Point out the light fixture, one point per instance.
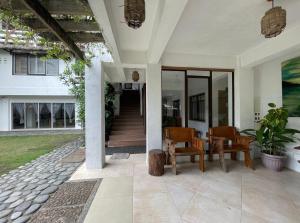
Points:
(134, 13)
(273, 22)
(135, 76)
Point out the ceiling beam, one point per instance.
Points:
(53, 26)
(168, 16)
(57, 7)
(68, 25)
(77, 37)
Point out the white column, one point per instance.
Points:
(244, 98)
(94, 115)
(153, 107)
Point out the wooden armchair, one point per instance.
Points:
(194, 146)
(226, 139)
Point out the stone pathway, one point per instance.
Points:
(24, 190)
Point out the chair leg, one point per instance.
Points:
(167, 158)
(201, 162)
(222, 162)
(248, 160)
(193, 158)
(233, 155)
(173, 160)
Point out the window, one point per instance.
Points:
(27, 64)
(197, 107)
(21, 64)
(43, 115)
(36, 65)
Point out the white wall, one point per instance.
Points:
(28, 84)
(268, 88)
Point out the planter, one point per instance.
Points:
(273, 162)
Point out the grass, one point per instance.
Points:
(16, 151)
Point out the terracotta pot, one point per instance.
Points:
(273, 162)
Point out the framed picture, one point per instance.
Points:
(291, 86)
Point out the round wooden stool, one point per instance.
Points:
(157, 161)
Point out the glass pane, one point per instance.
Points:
(31, 115)
(198, 104)
(173, 98)
(21, 64)
(36, 65)
(45, 115)
(58, 115)
(222, 98)
(70, 115)
(18, 115)
(52, 67)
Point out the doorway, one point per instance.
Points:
(197, 98)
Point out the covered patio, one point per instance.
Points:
(178, 41)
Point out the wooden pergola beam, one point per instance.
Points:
(68, 25)
(53, 26)
(78, 37)
(54, 7)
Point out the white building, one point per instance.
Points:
(32, 97)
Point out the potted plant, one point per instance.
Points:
(272, 136)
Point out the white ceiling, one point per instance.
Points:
(218, 27)
(128, 38)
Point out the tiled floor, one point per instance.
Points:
(129, 194)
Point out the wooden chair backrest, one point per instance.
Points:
(180, 134)
(227, 132)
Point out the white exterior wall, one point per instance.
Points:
(268, 88)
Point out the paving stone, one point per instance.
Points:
(3, 220)
(41, 199)
(6, 193)
(42, 187)
(33, 208)
(22, 219)
(15, 215)
(3, 206)
(16, 203)
(58, 182)
(49, 190)
(26, 192)
(30, 187)
(23, 206)
(11, 199)
(3, 198)
(17, 193)
(4, 213)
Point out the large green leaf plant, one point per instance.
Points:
(272, 135)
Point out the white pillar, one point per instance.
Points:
(94, 115)
(153, 107)
(244, 98)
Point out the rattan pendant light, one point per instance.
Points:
(134, 12)
(273, 22)
(135, 76)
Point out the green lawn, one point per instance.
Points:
(15, 151)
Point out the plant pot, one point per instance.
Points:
(273, 162)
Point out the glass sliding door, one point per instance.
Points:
(222, 99)
(70, 115)
(58, 115)
(45, 115)
(18, 116)
(173, 98)
(198, 101)
(32, 117)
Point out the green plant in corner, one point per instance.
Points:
(109, 106)
(272, 134)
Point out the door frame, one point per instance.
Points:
(211, 70)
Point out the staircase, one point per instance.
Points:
(128, 127)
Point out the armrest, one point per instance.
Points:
(198, 143)
(244, 140)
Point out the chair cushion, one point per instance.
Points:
(186, 151)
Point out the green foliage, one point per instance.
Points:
(273, 134)
(109, 106)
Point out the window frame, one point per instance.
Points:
(28, 73)
(200, 100)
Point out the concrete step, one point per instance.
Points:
(127, 132)
(127, 137)
(126, 143)
(132, 124)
